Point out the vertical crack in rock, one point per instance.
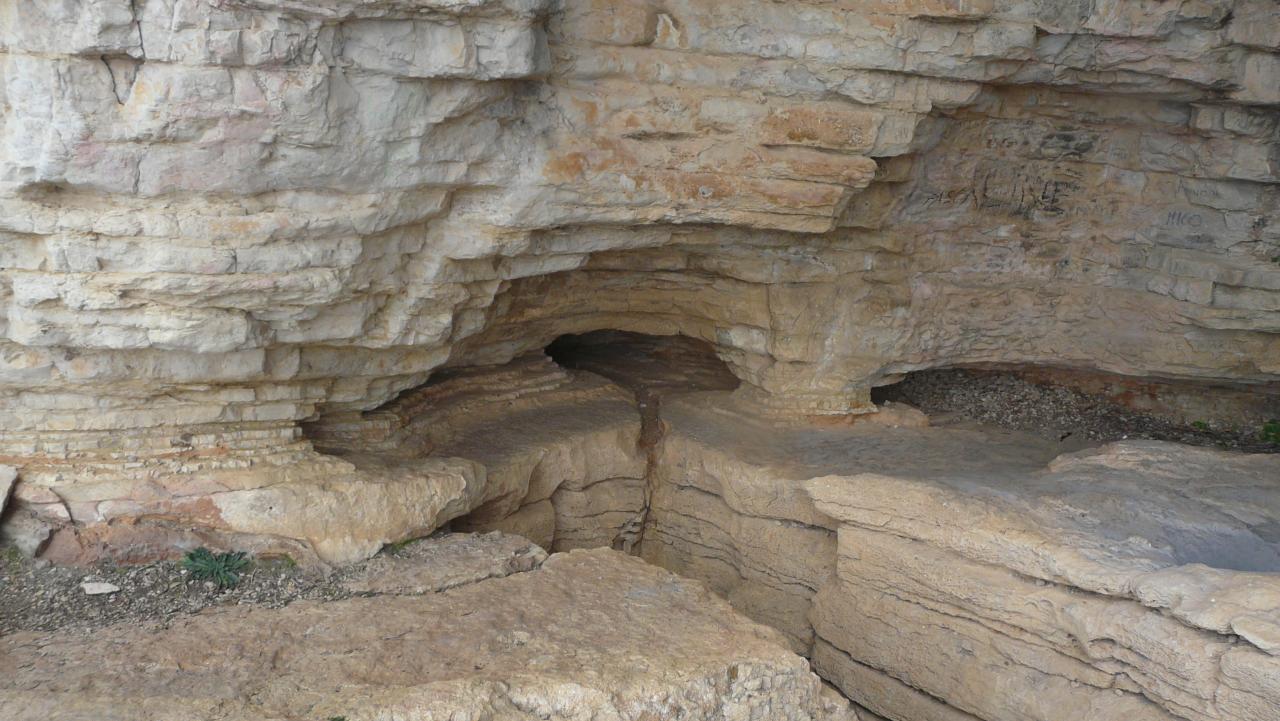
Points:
(652, 431)
(137, 22)
(651, 367)
(123, 71)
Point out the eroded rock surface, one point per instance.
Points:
(939, 572)
(730, 504)
(480, 443)
(450, 561)
(589, 634)
(1141, 580)
(222, 219)
(249, 249)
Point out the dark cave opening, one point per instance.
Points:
(645, 363)
(1093, 407)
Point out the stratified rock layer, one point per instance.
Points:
(933, 572)
(587, 635)
(481, 443)
(221, 219)
(1137, 581)
(730, 505)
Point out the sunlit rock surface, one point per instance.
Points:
(1136, 581)
(589, 634)
(220, 219)
(262, 263)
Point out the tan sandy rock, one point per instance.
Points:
(481, 444)
(439, 564)
(730, 504)
(590, 634)
(1100, 582)
(271, 272)
(210, 237)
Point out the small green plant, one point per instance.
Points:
(276, 562)
(1200, 425)
(13, 556)
(221, 568)
(396, 547)
(337, 718)
(1271, 432)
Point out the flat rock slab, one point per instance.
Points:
(1170, 525)
(588, 635)
(1134, 582)
(439, 564)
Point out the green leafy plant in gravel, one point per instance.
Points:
(221, 568)
(1271, 432)
(13, 557)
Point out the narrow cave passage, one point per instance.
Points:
(593, 445)
(645, 363)
(649, 366)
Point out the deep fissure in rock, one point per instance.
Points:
(649, 366)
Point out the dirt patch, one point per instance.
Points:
(37, 596)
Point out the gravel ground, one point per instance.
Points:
(1009, 401)
(36, 596)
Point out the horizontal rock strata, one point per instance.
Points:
(482, 442)
(219, 220)
(1133, 582)
(932, 572)
(591, 634)
(730, 505)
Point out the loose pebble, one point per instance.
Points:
(98, 588)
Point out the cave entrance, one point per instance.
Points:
(647, 364)
(1086, 408)
(605, 502)
(650, 366)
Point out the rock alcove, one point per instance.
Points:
(907, 328)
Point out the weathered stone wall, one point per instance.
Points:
(221, 218)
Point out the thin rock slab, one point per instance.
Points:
(1135, 581)
(590, 635)
(1121, 520)
(439, 564)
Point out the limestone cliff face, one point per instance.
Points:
(220, 218)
